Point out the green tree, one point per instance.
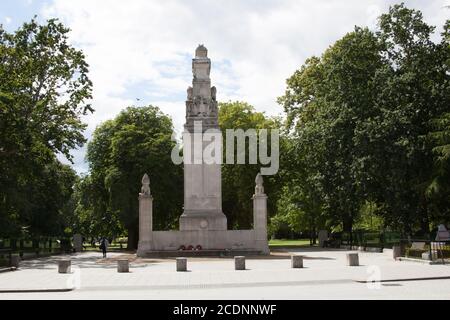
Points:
(91, 217)
(137, 141)
(326, 101)
(438, 190)
(48, 197)
(44, 91)
(361, 116)
(40, 206)
(238, 180)
(412, 89)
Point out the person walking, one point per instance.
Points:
(104, 243)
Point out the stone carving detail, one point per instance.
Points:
(145, 190)
(214, 111)
(259, 189)
(201, 104)
(201, 51)
(202, 107)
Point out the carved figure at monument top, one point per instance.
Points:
(145, 190)
(201, 103)
(259, 181)
(201, 51)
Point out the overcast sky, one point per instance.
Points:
(141, 49)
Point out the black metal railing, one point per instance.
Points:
(5, 257)
(27, 247)
(367, 239)
(438, 251)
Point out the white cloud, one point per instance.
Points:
(142, 49)
(8, 20)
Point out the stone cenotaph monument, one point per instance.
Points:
(202, 181)
(203, 225)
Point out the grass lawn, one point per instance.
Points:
(287, 243)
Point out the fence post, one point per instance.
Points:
(365, 238)
(36, 247)
(402, 249)
(21, 248)
(381, 240)
(430, 251)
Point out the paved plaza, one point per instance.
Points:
(325, 276)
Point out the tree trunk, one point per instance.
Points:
(424, 226)
(347, 225)
(424, 221)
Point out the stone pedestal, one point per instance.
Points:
(15, 261)
(396, 252)
(260, 216)
(296, 262)
(145, 218)
(181, 264)
(123, 266)
(202, 221)
(322, 237)
(239, 263)
(78, 242)
(352, 259)
(64, 266)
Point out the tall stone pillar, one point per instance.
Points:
(145, 217)
(202, 179)
(260, 216)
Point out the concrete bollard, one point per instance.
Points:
(352, 259)
(296, 262)
(123, 266)
(396, 252)
(64, 266)
(239, 263)
(15, 261)
(181, 264)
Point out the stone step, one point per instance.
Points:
(201, 253)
